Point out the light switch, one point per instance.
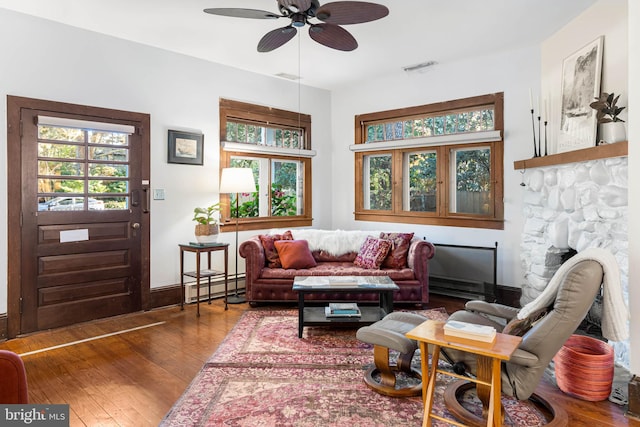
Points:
(158, 194)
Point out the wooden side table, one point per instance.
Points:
(199, 273)
(490, 356)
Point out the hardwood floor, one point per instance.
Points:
(129, 370)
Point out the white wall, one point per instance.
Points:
(512, 73)
(46, 60)
(633, 134)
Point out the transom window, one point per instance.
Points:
(275, 144)
(470, 120)
(81, 166)
(269, 136)
(434, 164)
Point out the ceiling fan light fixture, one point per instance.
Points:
(298, 20)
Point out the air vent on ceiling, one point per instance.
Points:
(288, 76)
(419, 68)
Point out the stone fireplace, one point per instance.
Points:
(572, 207)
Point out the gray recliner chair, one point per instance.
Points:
(543, 334)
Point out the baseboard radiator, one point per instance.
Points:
(217, 289)
(468, 272)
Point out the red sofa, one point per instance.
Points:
(264, 284)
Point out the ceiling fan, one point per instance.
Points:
(328, 32)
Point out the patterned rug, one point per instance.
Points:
(264, 375)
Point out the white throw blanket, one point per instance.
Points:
(614, 310)
(335, 242)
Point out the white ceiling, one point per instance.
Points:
(414, 32)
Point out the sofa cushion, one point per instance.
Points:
(372, 253)
(337, 269)
(270, 252)
(294, 254)
(397, 256)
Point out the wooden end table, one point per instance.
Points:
(489, 356)
(315, 316)
(199, 249)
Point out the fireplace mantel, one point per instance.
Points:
(619, 149)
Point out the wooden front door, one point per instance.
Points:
(84, 227)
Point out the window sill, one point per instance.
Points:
(264, 223)
(492, 224)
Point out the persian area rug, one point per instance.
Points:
(264, 375)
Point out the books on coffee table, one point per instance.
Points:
(349, 309)
(469, 331)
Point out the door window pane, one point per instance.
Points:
(60, 151)
(377, 182)
(471, 186)
(64, 168)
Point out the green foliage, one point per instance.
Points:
(380, 182)
(208, 215)
(473, 170)
(282, 203)
(606, 108)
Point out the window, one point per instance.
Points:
(82, 165)
(275, 144)
(437, 164)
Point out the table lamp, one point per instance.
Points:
(237, 180)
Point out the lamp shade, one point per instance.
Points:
(237, 180)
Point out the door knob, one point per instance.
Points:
(135, 225)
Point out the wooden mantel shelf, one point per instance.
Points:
(619, 149)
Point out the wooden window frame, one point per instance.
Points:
(442, 216)
(235, 110)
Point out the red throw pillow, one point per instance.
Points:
(372, 253)
(400, 242)
(295, 254)
(270, 252)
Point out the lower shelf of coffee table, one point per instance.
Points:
(315, 316)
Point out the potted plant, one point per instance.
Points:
(612, 126)
(207, 227)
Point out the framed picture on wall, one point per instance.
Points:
(185, 147)
(581, 74)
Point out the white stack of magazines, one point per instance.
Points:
(469, 331)
(342, 309)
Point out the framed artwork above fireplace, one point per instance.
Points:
(581, 74)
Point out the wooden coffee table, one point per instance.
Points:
(315, 315)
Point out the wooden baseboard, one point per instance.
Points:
(3, 327)
(164, 296)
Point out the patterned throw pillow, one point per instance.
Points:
(400, 242)
(270, 252)
(372, 253)
(295, 254)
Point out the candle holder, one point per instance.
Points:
(545, 137)
(539, 138)
(533, 127)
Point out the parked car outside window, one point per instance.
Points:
(70, 204)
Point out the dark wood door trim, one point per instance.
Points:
(15, 104)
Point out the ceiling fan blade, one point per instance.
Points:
(242, 13)
(333, 36)
(351, 12)
(276, 38)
